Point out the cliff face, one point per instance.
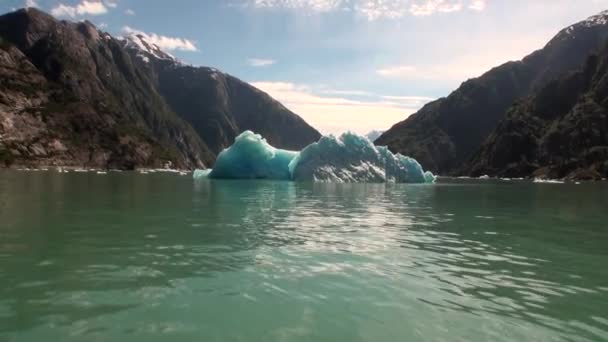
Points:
(559, 132)
(220, 107)
(444, 134)
(72, 95)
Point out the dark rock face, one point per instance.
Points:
(73, 96)
(220, 107)
(444, 134)
(559, 132)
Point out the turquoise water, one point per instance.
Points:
(130, 257)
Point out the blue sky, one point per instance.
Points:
(341, 64)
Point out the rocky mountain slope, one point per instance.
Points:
(72, 95)
(446, 133)
(217, 105)
(559, 132)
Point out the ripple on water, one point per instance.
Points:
(160, 258)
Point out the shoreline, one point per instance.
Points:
(75, 169)
(536, 180)
(184, 172)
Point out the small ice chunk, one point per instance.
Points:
(548, 181)
(201, 173)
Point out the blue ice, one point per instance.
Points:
(348, 158)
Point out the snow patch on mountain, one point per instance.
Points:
(598, 19)
(145, 50)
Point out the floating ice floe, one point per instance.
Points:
(548, 181)
(201, 173)
(347, 158)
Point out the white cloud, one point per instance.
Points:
(260, 62)
(478, 5)
(346, 92)
(408, 101)
(374, 9)
(377, 9)
(456, 70)
(397, 71)
(30, 3)
(163, 42)
(83, 8)
(102, 26)
(314, 5)
(129, 11)
(111, 4)
(335, 114)
(428, 7)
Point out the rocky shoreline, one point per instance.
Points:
(73, 169)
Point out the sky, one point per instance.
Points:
(356, 65)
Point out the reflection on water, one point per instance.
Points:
(152, 257)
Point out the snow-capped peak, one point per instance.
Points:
(598, 19)
(145, 49)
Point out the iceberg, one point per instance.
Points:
(251, 157)
(348, 158)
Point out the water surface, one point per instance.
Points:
(123, 256)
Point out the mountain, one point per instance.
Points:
(373, 135)
(447, 132)
(217, 105)
(74, 96)
(559, 132)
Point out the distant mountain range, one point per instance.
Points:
(469, 132)
(72, 95)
